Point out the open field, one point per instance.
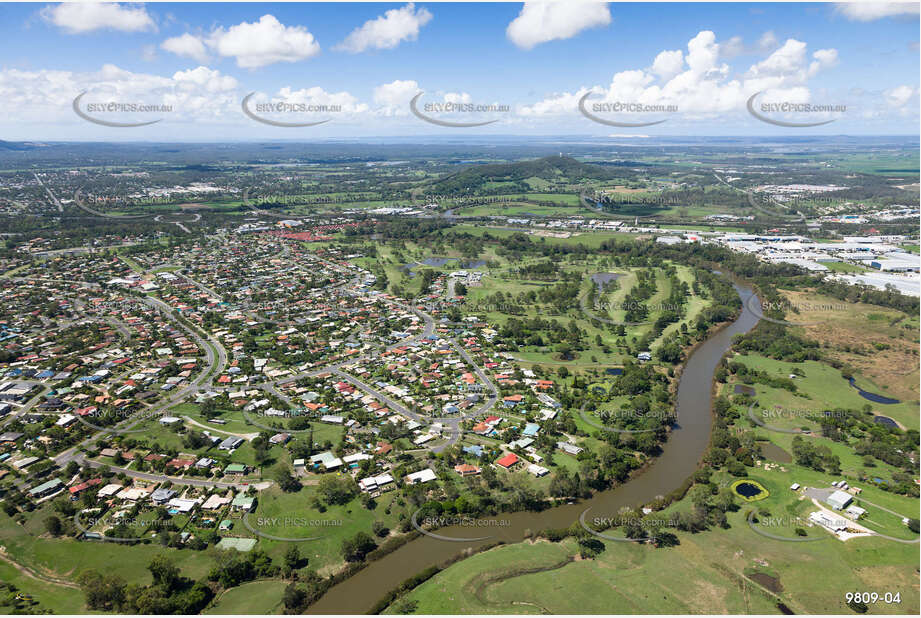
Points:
(822, 387)
(257, 597)
(719, 571)
(880, 343)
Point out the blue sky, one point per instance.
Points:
(703, 59)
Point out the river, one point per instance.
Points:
(680, 457)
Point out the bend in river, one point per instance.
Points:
(679, 458)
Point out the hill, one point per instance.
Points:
(512, 176)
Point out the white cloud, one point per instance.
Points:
(768, 42)
(899, 96)
(668, 64)
(823, 59)
(264, 42)
(540, 22)
(196, 95)
(457, 97)
(788, 58)
(318, 96)
(82, 17)
(393, 98)
(732, 48)
(872, 10)
(556, 104)
(387, 31)
(187, 46)
(698, 83)
(735, 46)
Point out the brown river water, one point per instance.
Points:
(680, 456)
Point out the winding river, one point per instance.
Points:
(679, 458)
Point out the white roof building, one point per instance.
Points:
(839, 500)
(422, 476)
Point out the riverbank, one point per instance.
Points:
(680, 456)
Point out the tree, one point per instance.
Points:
(359, 546)
(286, 481)
(294, 598)
(208, 407)
(103, 592)
(53, 525)
(858, 606)
(337, 490)
(292, 557)
(406, 606)
(164, 572)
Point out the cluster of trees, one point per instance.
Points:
(233, 567)
(538, 331)
(728, 448)
(749, 375)
(777, 342)
(170, 592)
(816, 456)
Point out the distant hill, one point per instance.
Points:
(16, 145)
(555, 169)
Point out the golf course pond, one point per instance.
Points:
(749, 490)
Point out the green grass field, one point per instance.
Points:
(57, 599)
(823, 387)
(258, 597)
(625, 578)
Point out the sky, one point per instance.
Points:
(352, 70)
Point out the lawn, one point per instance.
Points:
(258, 597)
(822, 387)
(57, 599)
(292, 515)
(546, 577)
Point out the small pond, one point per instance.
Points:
(873, 396)
(602, 279)
(749, 490)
